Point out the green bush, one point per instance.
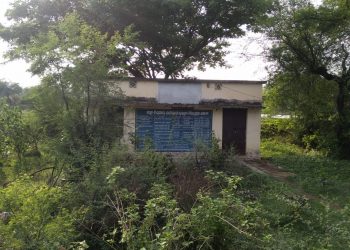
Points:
(140, 169)
(276, 127)
(297, 223)
(218, 220)
(38, 217)
(310, 134)
(114, 170)
(211, 156)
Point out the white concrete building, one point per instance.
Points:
(175, 114)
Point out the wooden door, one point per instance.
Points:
(234, 129)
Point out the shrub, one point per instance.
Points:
(187, 180)
(38, 219)
(275, 127)
(141, 170)
(211, 155)
(218, 220)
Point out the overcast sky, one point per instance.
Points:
(245, 58)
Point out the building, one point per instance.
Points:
(176, 115)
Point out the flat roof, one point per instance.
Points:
(153, 102)
(188, 80)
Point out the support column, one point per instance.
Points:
(253, 132)
(129, 126)
(217, 124)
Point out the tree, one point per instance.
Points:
(173, 35)
(75, 95)
(10, 91)
(13, 132)
(309, 40)
(72, 58)
(312, 110)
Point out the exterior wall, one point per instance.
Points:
(238, 91)
(147, 89)
(129, 126)
(217, 124)
(184, 93)
(228, 91)
(208, 91)
(253, 133)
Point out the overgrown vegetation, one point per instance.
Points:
(68, 183)
(316, 174)
(38, 216)
(310, 75)
(122, 199)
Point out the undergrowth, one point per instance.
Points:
(315, 173)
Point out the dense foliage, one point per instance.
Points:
(171, 35)
(11, 91)
(38, 217)
(276, 127)
(68, 182)
(312, 67)
(128, 200)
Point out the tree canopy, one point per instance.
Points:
(314, 41)
(10, 91)
(172, 35)
(67, 181)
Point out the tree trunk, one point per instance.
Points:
(342, 119)
(87, 111)
(63, 93)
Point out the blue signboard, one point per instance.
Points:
(173, 130)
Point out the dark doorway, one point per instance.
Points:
(234, 129)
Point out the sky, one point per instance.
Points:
(16, 71)
(245, 58)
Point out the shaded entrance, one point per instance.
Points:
(234, 129)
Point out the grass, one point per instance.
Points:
(296, 221)
(315, 173)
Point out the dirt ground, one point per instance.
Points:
(264, 167)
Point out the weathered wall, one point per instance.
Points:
(148, 89)
(217, 124)
(184, 93)
(192, 92)
(253, 132)
(129, 126)
(232, 91)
